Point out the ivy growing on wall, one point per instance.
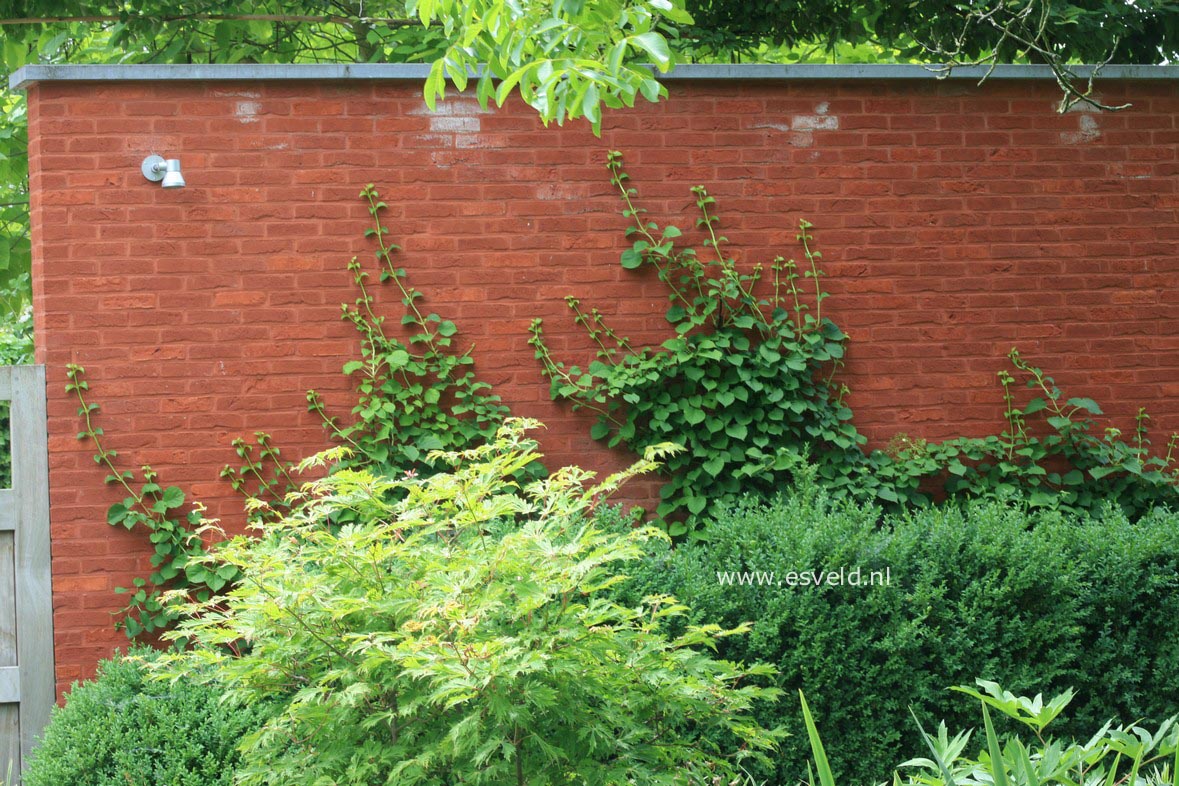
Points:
(747, 385)
(173, 524)
(414, 397)
(744, 385)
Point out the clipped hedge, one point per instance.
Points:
(1036, 602)
(122, 729)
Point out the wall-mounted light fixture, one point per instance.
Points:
(155, 169)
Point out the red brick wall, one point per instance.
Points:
(954, 222)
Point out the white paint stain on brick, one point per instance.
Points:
(434, 140)
(457, 107)
(815, 123)
(454, 116)
(458, 125)
(1087, 131)
(1081, 106)
(800, 129)
(247, 111)
(445, 159)
(470, 141)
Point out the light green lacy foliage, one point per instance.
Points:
(460, 634)
(1114, 756)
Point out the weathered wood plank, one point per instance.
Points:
(34, 594)
(9, 673)
(8, 651)
(9, 684)
(8, 505)
(10, 760)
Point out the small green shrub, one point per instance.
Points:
(974, 591)
(458, 632)
(124, 729)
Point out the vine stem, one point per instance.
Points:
(366, 328)
(634, 215)
(255, 470)
(103, 455)
(777, 268)
(805, 239)
(553, 370)
(282, 469)
(329, 422)
(367, 300)
(594, 332)
(727, 264)
(385, 252)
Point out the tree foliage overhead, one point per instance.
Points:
(1010, 31)
(565, 57)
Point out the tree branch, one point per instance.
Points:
(321, 19)
(1029, 33)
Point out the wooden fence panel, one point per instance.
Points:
(26, 600)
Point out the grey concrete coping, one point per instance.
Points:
(415, 72)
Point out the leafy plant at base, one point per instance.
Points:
(458, 631)
(744, 385)
(1129, 755)
(747, 387)
(174, 531)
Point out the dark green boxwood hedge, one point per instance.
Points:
(122, 729)
(1036, 602)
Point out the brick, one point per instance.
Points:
(954, 221)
